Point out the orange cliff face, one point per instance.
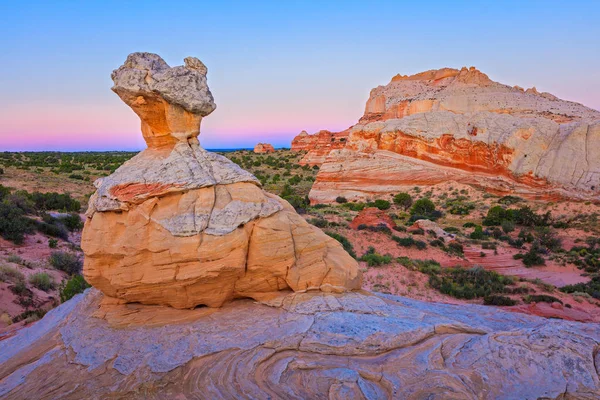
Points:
(318, 145)
(459, 124)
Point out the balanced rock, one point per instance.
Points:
(177, 225)
(459, 125)
(262, 148)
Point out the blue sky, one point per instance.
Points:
(275, 68)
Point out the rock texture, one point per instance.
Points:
(318, 145)
(299, 346)
(177, 225)
(459, 125)
(262, 148)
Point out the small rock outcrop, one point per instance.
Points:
(177, 225)
(459, 125)
(318, 145)
(262, 148)
(372, 217)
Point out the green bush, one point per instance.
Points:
(374, 259)
(477, 234)
(508, 226)
(355, 206)
(592, 288)
(541, 298)
(381, 204)
(467, 225)
(498, 300)
(42, 281)
(13, 223)
(409, 241)
(71, 287)
(422, 207)
(53, 243)
(469, 283)
(532, 257)
(344, 241)
(341, 200)
(455, 248)
(72, 222)
(66, 262)
(403, 200)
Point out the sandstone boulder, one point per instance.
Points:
(177, 225)
(460, 125)
(262, 148)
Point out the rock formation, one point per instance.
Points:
(262, 148)
(299, 346)
(318, 145)
(372, 217)
(179, 226)
(459, 125)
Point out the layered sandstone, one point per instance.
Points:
(263, 148)
(179, 226)
(460, 125)
(318, 145)
(299, 346)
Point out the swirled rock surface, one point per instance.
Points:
(451, 124)
(177, 225)
(299, 346)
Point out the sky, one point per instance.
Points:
(274, 68)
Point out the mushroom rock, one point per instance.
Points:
(459, 124)
(177, 225)
(262, 148)
(372, 217)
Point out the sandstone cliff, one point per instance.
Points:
(180, 226)
(459, 125)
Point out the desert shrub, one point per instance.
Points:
(55, 201)
(496, 215)
(341, 200)
(469, 283)
(66, 262)
(294, 180)
(53, 243)
(548, 239)
(10, 274)
(403, 200)
(399, 228)
(55, 229)
(13, 223)
(455, 248)
(452, 229)
(437, 243)
(355, 206)
(418, 231)
(409, 241)
(509, 200)
(298, 202)
(458, 206)
(591, 288)
(477, 234)
(422, 207)
(318, 222)
(488, 246)
(373, 259)
(77, 176)
(541, 298)
(72, 222)
(381, 204)
(42, 281)
(69, 288)
(498, 300)
(344, 241)
(507, 226)
(532, 257)
(467, 225)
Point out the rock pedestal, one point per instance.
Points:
(179, 226)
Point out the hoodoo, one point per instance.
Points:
(179, 226)
(459, 125)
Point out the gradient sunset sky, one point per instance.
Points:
(275, 68)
